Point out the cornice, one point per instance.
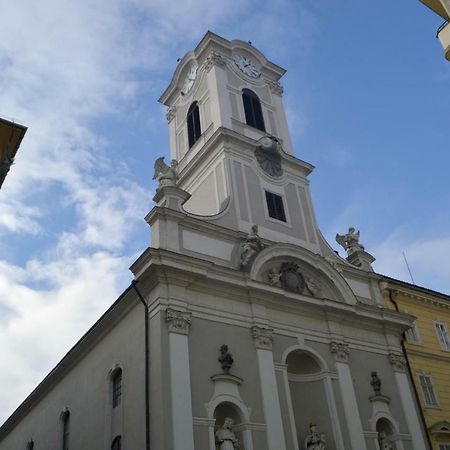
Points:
(444, 357)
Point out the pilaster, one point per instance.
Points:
(178, 323)
(263, 338)
(341, 354)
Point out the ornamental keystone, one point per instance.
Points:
(262, 337)
(340, 351)
(178, 321)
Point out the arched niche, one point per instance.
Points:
(311, 396)
(298, 270)
(386, 432)
(227, 410)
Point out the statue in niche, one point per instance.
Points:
(315, 440)
(384, 442)
(375, 382)
(166, 175)
(268, 155)
(350, 241)
(225, 438)
(250, 247)
(226, 359)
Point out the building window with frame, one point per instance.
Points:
(65, 430)
(412, 335)
(444, 446)
(428, 390)
(442, 332)
(193, 124)
(117, 443)
(253, 111)
(117, 388)
(275, 206)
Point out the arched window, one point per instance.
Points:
(65, 430)
(117, 443)
(253, 111)
(117, 388)
(193, 124)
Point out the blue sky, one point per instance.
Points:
(366, 94)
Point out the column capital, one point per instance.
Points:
(178, 321)
(275, 87)
(214, 59)
(340, 351)
(398, 362)
(170, 114)
(262, 337)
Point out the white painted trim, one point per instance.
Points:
(287, 392)
(180, 390)
(271, 401)
(334, 416)
(351, 411)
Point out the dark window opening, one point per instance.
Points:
(275, 206)
(66, 430)
(193, 124)
(117, 388)
(253, 111)
(117, 443)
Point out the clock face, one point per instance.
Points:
(189, 79)
(246, 66)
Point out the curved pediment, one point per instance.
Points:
(298, 270)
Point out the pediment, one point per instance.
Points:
(298, 270)
(442, 427)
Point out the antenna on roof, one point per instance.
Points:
(409, 270)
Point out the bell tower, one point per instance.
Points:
(229, 134)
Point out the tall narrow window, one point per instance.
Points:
(442, 333)
(117, 443)
(275, 206)
(412, 335)
(428, 390)
(117, 388)
(65, 430)
(193, 124)
(253, 110)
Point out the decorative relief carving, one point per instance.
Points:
(178, 321)
(340, 351)
(214, 59)
(170, 114)
(250, 248)
(268, 155)
(398, 362)
(275, 87)
(262, 337)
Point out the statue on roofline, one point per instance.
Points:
(166, 175)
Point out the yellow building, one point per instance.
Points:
(11, 135)
(442, 8)
(427, 351)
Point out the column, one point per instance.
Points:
(180, 380)
(340, 352)
(262, 338)
(409, 406)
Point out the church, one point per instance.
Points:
(243, 328)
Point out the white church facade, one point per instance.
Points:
(243, 328)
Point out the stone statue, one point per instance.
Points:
(166, 175)
(375, 382)
(314, 440)
(384, 442)
(250, 247)
(274, 276)
(225, 438)
(349, 241)
(226, 359)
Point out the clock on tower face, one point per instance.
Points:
(189, 79)
(246, 66)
